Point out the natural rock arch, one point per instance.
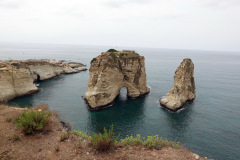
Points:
(111, 71)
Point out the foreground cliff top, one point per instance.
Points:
(47, 145)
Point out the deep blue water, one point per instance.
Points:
(208, 126)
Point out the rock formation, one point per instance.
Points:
(183, 89)
(111, 71)
(17, 77)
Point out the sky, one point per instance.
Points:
(175, 24)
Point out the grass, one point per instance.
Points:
(106, 140)
(31, 121)
(82, 135)
(155, 142)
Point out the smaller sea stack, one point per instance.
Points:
(183, 89)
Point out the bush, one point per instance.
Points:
(94, 59)
(105, 141)
(112, 50)
(131, 140)
(31, 121)
(151, 142)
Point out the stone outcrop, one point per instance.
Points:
(183, 89)
(17, 77)
(111, 71)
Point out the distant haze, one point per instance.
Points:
(177, 24)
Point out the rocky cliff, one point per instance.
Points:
(184, 87)
(17, 77)
(111, 71)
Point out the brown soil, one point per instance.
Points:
(47, 145)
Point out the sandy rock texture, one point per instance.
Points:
(183, 89)
(17, 77)
(111, 71)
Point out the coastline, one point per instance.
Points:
(48, 144)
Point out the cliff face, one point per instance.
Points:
(184, 87)
(111, 71)
(17, 77)
(15, 80)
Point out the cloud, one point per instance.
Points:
(122, 3)
(10, 4)
(219, 3)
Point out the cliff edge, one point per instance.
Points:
(111, 71)
(183, 89)
(17, 77)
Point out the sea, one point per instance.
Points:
(208, 126)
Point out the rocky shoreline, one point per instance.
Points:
(17, 77)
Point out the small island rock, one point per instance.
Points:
(183, 89)
(111, 71)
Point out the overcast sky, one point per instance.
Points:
(178, 24)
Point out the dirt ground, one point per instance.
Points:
(47, 145)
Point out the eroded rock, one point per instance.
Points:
(17, 77)
(111, 71)
(183, 89)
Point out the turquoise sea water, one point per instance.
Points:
(209, 126)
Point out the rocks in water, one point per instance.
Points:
(111, 71)
(17, 77)
(183, 89)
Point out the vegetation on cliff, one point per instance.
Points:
(54, 142)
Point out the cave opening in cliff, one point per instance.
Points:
(38, 77)
(123, 94)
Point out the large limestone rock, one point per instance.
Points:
(15, 80)
(111, 71)
(183, 89)
(17, 77)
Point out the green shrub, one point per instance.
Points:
(31, 121)
(105, 141)
(94, 59)
(112, 50)
(131, 140)
(151, 142)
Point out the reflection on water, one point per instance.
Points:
(179, 122)
(45, 91)
(126, 112)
